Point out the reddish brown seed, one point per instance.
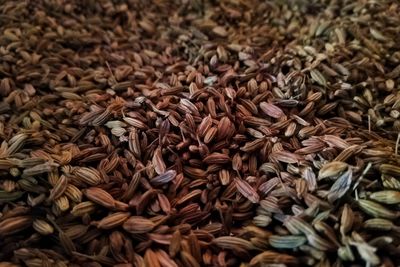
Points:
(247, 191)
(271, 110)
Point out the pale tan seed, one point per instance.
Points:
(346, 219)
(90, 176)
(62, 203)
(332, 169)
(42, 227)
(73, 193)
(83, 208)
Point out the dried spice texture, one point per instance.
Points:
(199, 133)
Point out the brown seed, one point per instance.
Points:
(188, 260)
(14, 225)
(88, 175)
(134, 143)
(138, 225)
(76, 231)
(132, 186)
(271, 110)
(113, 220)
(204, 126)
(175, 243)
(247, 191)
(210, 135)
(224, 128)
(158, 162)
(101, 197)
(216, 158)
(270, 257)
(83, 208)
(135, 123)
(59, 188)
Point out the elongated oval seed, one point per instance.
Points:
(377, 210)
(83, 208)
(164, 178)
(332, 169)
(42, 227)
(289, 242)
(247, 191)
(59, 188)
(101, 197)
(138, 225)
(14, 225)
(386, 197)
(88, 175)
(231, 242)
(378, 224)
(113, 220)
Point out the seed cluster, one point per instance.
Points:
(199, 133)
